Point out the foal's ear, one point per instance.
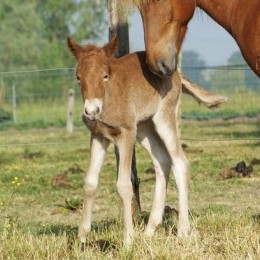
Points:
(75, 49)
(111, 47)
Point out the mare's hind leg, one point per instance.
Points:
(167, 127)
(151, 141)
(98, 150)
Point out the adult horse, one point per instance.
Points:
(165, 24)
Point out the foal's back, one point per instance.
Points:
(134, 92)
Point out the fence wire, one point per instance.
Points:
(38, 97)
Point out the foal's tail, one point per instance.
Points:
(203, 96)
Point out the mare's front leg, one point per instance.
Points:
(125, 144)
(167, 127)
(98, 149)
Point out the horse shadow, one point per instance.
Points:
(103, 245)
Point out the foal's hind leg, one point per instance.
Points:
(151, 141)
(98, 150)
(167, 127)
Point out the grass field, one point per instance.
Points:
(32, 112)
(41, 194)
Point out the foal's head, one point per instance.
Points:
(165, 23)
(92, 74)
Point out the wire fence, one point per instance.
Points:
(70, 143)
(39, 97)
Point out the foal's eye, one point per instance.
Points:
(105, 78)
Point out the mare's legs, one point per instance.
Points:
(98, 150)
(125, 146)
(150, 140)
(166, 123)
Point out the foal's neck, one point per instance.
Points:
(218, 10)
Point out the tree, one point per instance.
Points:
(34, 36)
(231, 76)
(34, 32)
(82, 19)
(20, 42)
(193, 66)
(251, 80)
(235, 73)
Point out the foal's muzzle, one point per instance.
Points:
(92, 109)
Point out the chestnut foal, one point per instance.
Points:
(124, 101)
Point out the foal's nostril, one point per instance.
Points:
(92, 112)
(86, 111)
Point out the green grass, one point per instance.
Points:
(42, 113)
(241, 102)
(41, 186)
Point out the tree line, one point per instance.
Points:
(235, 74)
(33, 35)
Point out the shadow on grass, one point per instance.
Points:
(57, 230)
(107, 226)
(61, 229)
(71, 233)
(256, 218)
(102, 245)
(169, 223)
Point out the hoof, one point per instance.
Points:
(82, 234)
(183, 232)
(149, 232)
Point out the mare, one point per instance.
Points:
(165, 24)
(124, 101)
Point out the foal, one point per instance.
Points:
(125, 101)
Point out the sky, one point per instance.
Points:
(204, 36)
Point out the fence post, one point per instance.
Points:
(118, 25)
(14, 103)
(69, 126)
(2, 94)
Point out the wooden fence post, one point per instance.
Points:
(14, 103)
(118, 25)
(69, 126)
(2, 94)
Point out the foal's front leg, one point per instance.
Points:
(97, 154)
(124, 185)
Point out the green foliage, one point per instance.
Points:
(34, 36)
(238, 75)
(251, 80)
(194, 67)
(20, 44)
(34, 32)
(235, 75)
